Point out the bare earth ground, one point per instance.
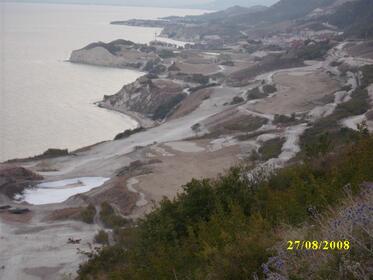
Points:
(205, 69)
(39, 250)
(182, 161)
(296, 93)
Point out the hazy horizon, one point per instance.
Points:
(211, 4)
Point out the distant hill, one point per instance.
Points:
(224, 4)
(283, 10)
(356, 18)
(226, 14)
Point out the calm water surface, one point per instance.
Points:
(46, 102)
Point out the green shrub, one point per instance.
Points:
(271, 148)
(283, 119)
(237, 100)
(255, 93)
(166, 54)
(109, 218)
(87, 215)
(102, 238)
(269, 89)
(127, 133)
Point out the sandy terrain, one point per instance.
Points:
(296, 93)
(39, 250)
(183, 161)
(192, 102)
(205, 69)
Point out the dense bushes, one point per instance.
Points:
(225, 228)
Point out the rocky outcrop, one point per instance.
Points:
(119, 53)
(154, 99)
(14, 179)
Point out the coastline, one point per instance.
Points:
(141, 120)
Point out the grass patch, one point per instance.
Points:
(271, 148)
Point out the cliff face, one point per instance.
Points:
(151, 98)
(97, 56)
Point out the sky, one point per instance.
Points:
(159, 3)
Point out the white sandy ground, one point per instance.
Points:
(39, 250)
(59, 191)
(220, 143)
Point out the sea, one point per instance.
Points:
(47, 102)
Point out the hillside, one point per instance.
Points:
(238, 226)
(356, 18)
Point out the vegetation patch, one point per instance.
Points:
(109, 218)
(237, 100)
(330, 128)
(87, 215)
(284, 119)
(269, 89)
(255, 93)
(271, 148)
(367, 71)
(166, 54)
(102, 238)
(166, 108)
(127, 133)
(242, 124)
